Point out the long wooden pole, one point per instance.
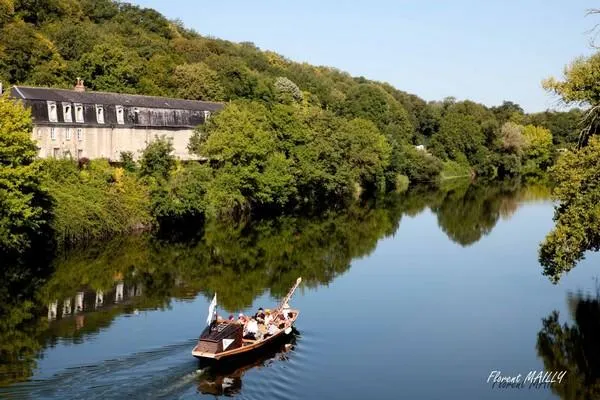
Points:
(287, 298)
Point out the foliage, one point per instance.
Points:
(23, 202)
(511, 136)
(564, 126)
(287, 91)
(95, 202)
(458, 139)
(452, 169)
(281, 156)
(577, 217)
(157, 159)
(183, 198)
(127, 161)
(197, 82)
(580, 84)
(419, 166)
(538, 149)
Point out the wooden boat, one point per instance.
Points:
(223, 339)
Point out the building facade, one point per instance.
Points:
(78, 123)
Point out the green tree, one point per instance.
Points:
(157, 159)
(511, 137)
(577, 217)
(111, 67)
(538, 153)
(7, 9)
(23, 202)
(22, 49)
(508, 111)
(182, 201)
(459, 138)
(287, 91)
(197, 82)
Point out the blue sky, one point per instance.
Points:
(486, 51)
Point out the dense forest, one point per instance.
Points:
(292, 137)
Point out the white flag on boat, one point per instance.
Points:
(211, 310)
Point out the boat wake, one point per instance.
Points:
(160, 373)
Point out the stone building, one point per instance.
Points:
(77, 123)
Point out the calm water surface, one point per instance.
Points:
(416, 297)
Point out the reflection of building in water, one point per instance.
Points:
(93, 300)
(99, 299)
(119, 292)
(79, 321)
(67, 307)
(53, 310)
(79, 302)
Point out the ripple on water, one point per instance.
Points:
(139, 375)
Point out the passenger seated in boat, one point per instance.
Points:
(231, 318)
(251, 329)
(242, 319)
(260, 315)
(271, 331)
(268, 317)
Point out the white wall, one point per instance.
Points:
(106, 142)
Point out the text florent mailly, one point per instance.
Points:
(533, 379)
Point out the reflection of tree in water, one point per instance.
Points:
(467, 212)
(574, 348)
(239, 261)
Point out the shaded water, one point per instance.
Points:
(418, 296)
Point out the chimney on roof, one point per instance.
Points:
(79, 87)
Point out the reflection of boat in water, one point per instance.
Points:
(225, 339)
(225, 378)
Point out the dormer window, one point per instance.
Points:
(67, 115)
(78, 113)
(99, 114)
(206, 115)
(120, 115)
(52, 114)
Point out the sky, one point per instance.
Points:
(485, 51)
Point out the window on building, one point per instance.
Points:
(79, 154)
(79, 113)
(120, 115)
(52, 114)
(68, 134)
(99, 114)
(53, 133)
(39, 133)
(56, 152)
(79, 134)
(67, 115)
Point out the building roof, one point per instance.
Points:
(106, 98)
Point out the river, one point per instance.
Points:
(418, 296)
